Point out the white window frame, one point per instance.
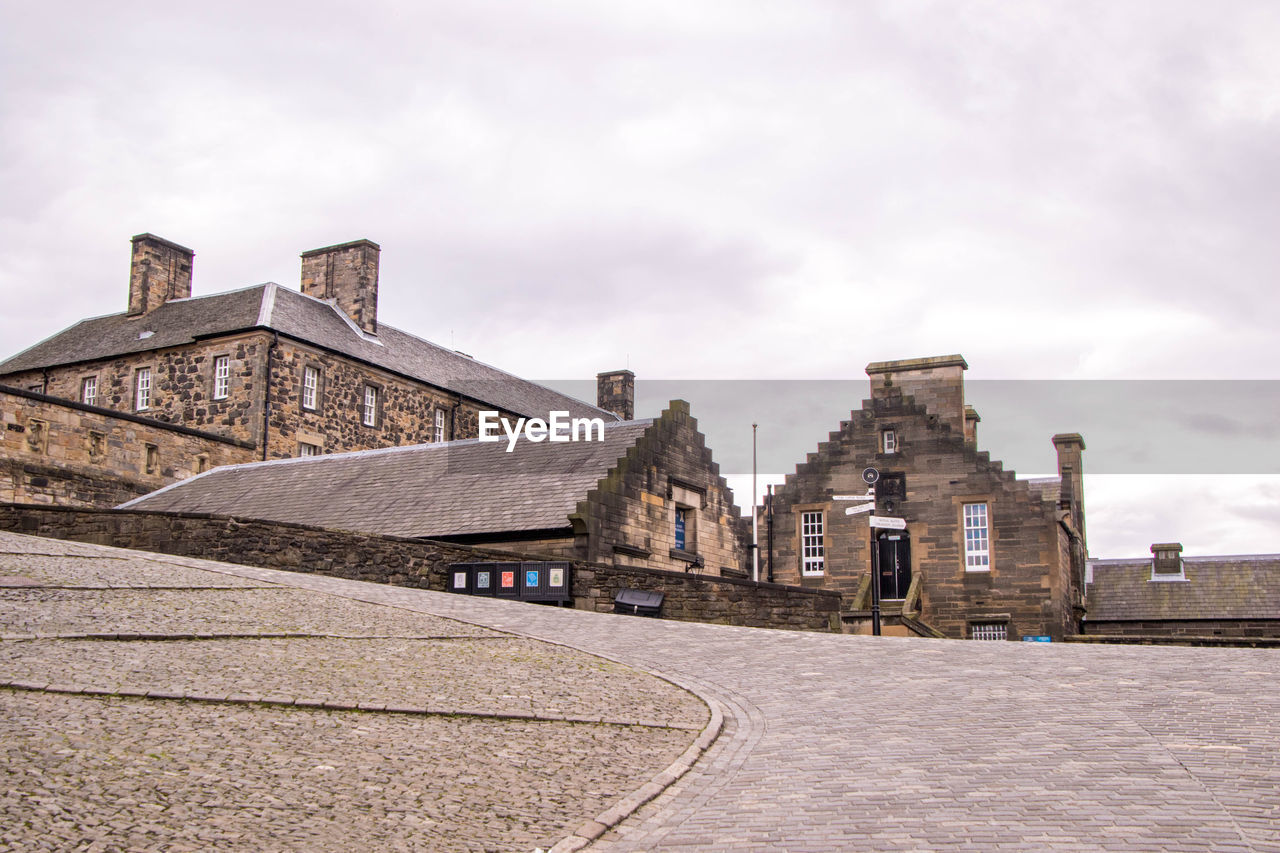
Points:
(307, 449)
(142, 389)
(221, 377)
(89, 390)
(439, 431)
(977, 537)
(889, 441)
(813, 541)
(369, 409)
(310, 388)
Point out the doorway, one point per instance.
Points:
(895, 564)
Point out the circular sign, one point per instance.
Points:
(870, 475)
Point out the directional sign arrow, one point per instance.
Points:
(854, 510)
(888, 523)
(870, 496)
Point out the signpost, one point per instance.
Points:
(854, 510)
(870, 476)
(888, 523)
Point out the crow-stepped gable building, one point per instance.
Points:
(643, 494)
(265, 372)
(982, 555)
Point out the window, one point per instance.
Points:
(369, 411)
(1166, 562)
(889, 441)
(988, 631)
(89, 390)
(439, 425)
(310, 388)
(221, 377)
(977, 549)
(307, 449)
(812, 548)
(142, 389)
(682, 527)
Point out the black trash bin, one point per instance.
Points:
(638, 602)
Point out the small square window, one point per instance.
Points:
(89, 390)
(988, 631)
(221, 377)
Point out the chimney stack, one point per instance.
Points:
(348, 274)
(1070, 447)
(159, 271)
(616, 392)
(936, 383)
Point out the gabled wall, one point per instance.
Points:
(629, 519)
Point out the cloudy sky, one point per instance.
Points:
(735, 190)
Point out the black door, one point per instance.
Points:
(895, 563)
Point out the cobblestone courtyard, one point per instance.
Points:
(154, 702)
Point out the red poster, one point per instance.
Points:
(508, 580)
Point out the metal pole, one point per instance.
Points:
(755, 515)
(768, 502)
(875, 580)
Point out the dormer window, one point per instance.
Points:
(1166, 562)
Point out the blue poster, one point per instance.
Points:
(531, 579)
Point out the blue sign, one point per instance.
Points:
(680, 517)
(1028, 638)
(531, 579)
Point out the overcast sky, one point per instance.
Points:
(695, 190)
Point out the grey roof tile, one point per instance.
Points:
(1238, 587)
(291, 313)
(454, 488)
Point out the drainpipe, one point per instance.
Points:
(266, 393)
(768, 502)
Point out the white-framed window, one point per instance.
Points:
(988, 631)
(142, 389)
(812, 543)
(89, 390)
(439, 425)
(221, 377)
(889, 441)
(308, 449)
(310, 388)
(369, 411)
(977, 539)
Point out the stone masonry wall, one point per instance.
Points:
(630, 517)
(53, 451)
(1029, 584)
(414, 562)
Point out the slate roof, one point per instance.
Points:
(291, 313)
(1242, 587)
(1049, 488)
(426, 490)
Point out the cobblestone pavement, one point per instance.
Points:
(148, 703)
(827, 743)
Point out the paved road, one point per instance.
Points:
(859, 743)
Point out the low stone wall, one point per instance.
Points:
(1180, 629)
(415, 563)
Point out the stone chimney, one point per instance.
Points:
(348, 274)
(616, 392)
(159, 271)
(1070, 447)
(936, 383)
(971, 419)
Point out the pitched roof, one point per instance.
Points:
(289, 312)
(446, 489)
(1240, 587)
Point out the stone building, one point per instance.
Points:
(276, 372)
(639, 494)
(1171, 598)
(983, 555)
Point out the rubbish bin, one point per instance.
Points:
(638, 602)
